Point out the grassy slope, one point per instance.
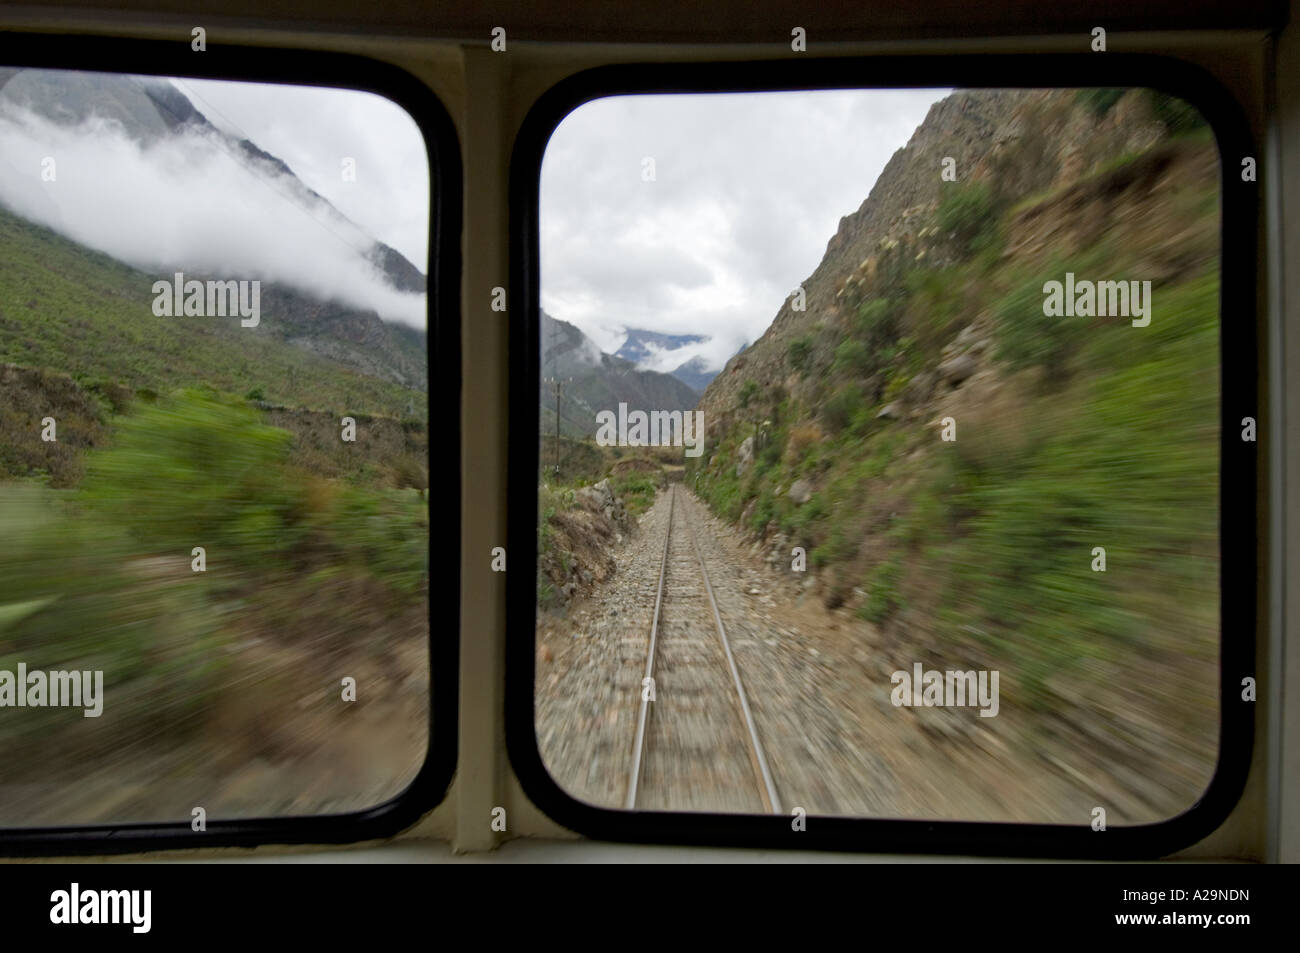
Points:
(979, 552)
(82, 313)
(306, 537)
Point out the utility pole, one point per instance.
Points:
(557, 387)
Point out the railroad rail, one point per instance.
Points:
(761, 774)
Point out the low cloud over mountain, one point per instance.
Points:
(128, 166)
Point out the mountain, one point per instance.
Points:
(955, 457)
(592, 380)
(1006, 145)
(640, 344)
(695, 373)
(79, 342)
(150, 109)
(79, 339)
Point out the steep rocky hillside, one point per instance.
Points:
(1016, 142)
(952, 458)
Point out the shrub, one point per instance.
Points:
(72, 596)
(764, 510)
(1098, 100)
(385, 535)
(883, 599)
(936, 303)
(968, 215)
(802, 436)
(876, 321)
(852, 357)
(1027, 337)
(839, 410)
(215, 475)
(800, 353)
(636, 490)
(1176, 115)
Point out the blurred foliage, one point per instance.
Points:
(194, 471)
(1027, 337)
(800, 351)
(968, 213)
(93, 605)
(1098, 100)
(100, 578)
(1178, 116)
(1097, 434)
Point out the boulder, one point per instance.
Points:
(800, 492)
(968, 334)
(919, 388)
(745, 456)
(779, 556)
(955, 370)
(600, 498)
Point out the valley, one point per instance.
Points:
(980, 481)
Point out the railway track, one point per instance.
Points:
(696, 745)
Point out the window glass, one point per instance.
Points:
(213, 449)
(879, 459)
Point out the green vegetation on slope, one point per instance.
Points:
(110, 563)
(315, 549)
(72, 310)
(1093, 433)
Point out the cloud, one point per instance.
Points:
(187, 202)
(748, 189)
(666, 359)
(312, 129)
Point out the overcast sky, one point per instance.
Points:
(312, 129)
(748, 190)
(192, 202)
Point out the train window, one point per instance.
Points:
(878, 469)
(215, 370)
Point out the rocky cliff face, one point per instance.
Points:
(1017, 142)
(955, 460)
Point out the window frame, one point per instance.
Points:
(1242, 579)
(348, 72)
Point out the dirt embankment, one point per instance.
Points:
(579, 533)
